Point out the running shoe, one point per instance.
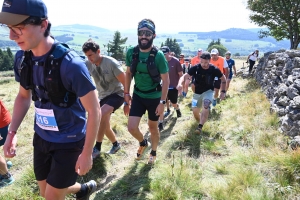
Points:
(142, 150)
(198, 130)
(178, 113)
(160, 126)
(151, 159)
(214, 103)
(96, 153)
(6, 181)
(167, 113)
(114, 149)
(91, 187)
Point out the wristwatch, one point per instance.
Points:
(162, 101)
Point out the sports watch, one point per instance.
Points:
(162, 101)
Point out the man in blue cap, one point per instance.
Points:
(64, 138)
(148, 66)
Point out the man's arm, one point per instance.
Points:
(223, 87)
(121, 78)
(164, 91)
(21, 106)
(91, 105)
(233, 66)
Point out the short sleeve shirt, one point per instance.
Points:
(204, 77)
(105, 77)
(75, 77)
(174, 70)
(142, 79)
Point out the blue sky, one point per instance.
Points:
(169, 16)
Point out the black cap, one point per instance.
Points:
(205, 55)
(165, 49)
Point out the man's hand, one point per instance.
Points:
(84, 164)
(126, 109)
(160, 109)
(10, 144)
(179, 88)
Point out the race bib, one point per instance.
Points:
(216, 78)
(45, 119)
(194, 102)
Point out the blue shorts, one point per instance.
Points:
(3, 133)
(230, 75)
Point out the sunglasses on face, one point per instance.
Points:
(145, 32)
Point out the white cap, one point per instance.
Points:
(214, 51)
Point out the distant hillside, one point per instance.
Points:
(79, 27)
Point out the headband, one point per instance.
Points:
(147, 24)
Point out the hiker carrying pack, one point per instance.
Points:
(205, 79)
(53, 86)
(151, 67)
(186, 69)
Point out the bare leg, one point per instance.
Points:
(154, 134)
(104, 127)
(133, 128)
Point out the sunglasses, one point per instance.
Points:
(145, 32)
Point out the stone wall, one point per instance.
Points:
(278, 73)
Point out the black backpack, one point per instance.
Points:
(207, 79)
(54, 88)
(151, 67)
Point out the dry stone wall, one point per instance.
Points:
(278, 73)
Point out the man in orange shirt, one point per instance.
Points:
(221, 63)
(181, 59)
(196, 60)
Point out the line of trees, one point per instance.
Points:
(6, 60)
(173, 45)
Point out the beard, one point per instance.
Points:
(144, 46)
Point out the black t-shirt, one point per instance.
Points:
(204, 78)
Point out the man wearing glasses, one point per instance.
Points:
(181, 59)
(64, 137)
(148, 94)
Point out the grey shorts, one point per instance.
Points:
(199, 98)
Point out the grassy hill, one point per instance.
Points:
(240, 155)
(236, 40)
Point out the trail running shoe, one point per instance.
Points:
(141, 151)
(198, 130)
(114, 149)
(160, 126)
(96, 153)
(9, 164)
(92, 187)
(178, 113)
(214, 103)
(6, 181)
(167, 113)
(151, 159)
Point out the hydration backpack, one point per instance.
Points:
(53, 86)
(151, 67)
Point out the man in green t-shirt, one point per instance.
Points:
(147, 95)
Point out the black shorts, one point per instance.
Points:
(173, 95)
(139, 106)
(55, 162)
(112, 100)
(217, 84)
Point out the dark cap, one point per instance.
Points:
(205, 55)
(165, 49)
(187, 60)
(16, 11)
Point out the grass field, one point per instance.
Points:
(240, 155)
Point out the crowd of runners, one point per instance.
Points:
(71, 120)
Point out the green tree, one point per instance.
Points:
(115, 47)
(281, 17)
(217, 45)
(173, 45)
(6, 60)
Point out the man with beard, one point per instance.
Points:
(109, 78)
(148, 66)
(221, 63)
(204, 85)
